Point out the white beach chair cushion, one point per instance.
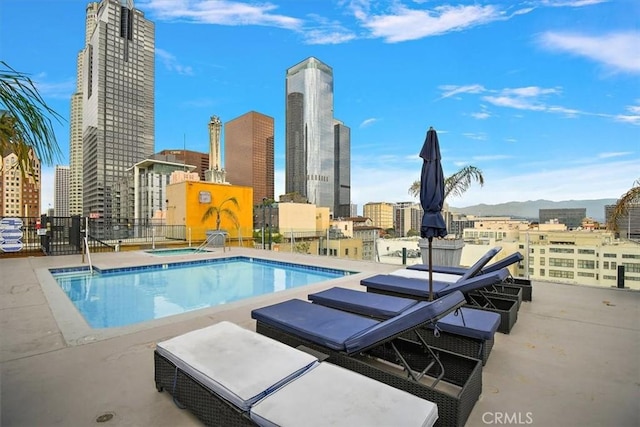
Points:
(235, 363)
(329, 395)
(419, 274)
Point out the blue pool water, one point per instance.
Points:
(125, 296)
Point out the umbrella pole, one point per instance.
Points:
(430, 271)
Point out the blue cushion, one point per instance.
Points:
(365, 303)
(504, 262)
(438, 269)
(467, 321)
(404, 285)
(321, 325)
(418, 315)
(475, 268)
(340, 330)
(470, 322)
(419, 288)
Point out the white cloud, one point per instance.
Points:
(617, 51)
(481, 116)
(221, 12)
(404, 24)
(452, 90)
(571, 3)
(171, 63)
(368, 122)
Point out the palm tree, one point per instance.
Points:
(221, 210)
(24, 121)
(621, 209)
(456, 184)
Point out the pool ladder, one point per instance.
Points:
(86, 246)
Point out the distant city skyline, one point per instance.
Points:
(542, 96)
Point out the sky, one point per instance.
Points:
(543, 96)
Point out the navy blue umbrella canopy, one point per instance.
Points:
(432, 188)
(431, 196)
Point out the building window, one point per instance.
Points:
(561, 274)
(560, 262)
(561, 250)
(583, 274)
(631, 267)
(586, 251)
(583, 263)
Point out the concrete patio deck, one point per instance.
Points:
(572, 359)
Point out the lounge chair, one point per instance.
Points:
(499, 289)
(467, 331)
(474, 270)
(375, 349)
(505, 262)
(227, 375)
(472, 288)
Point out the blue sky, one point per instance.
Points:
(542, 95)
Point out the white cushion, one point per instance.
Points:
(237, 364)
(419, 274)
(329, 395)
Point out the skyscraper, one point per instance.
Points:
(248, 153)
(342, 167)
(75, 119)
(117, 100)
(61, 191)
(310, 141)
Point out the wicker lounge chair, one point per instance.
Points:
(474, 270)
(467, 331)
(382, 351)
(498, 289)
(516, 257)
(228, 376)
(472, 288)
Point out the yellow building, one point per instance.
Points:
(381, 214)
(188, 201)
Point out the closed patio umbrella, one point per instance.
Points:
(431, 196)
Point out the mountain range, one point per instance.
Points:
(530, 209)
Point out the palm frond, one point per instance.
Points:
(458, 183)
(621, 209)
(29, 125)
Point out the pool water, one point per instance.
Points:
(126, 296)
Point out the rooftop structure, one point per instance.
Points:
(571, 358)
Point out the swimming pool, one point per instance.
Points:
(126, 296)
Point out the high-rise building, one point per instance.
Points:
(310, 141)
(408, 216)
(61, 191)
(75, 118)
(117, 84)
(248, 153)
(342, 167)
(19, 193)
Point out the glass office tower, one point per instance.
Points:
(310, 150)
(118, 101)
